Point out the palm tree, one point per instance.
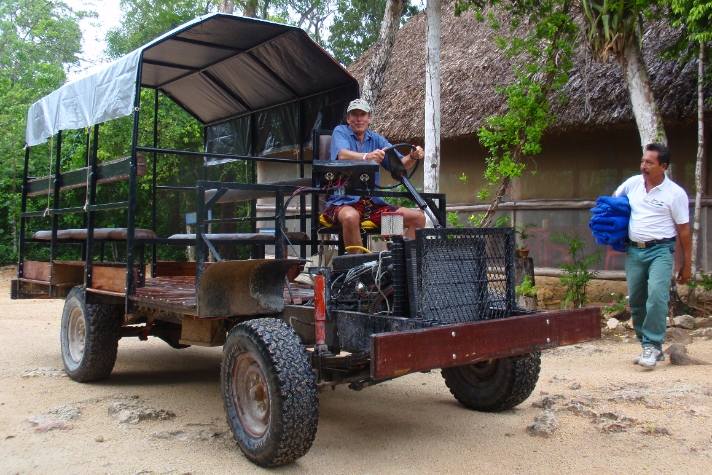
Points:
(615, 29)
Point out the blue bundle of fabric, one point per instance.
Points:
(609, 222)
(612, 206)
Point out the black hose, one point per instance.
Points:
(381, 298)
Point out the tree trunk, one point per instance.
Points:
(502, 188)
(227, 6)
(376, 72)
(431, 172)
(250, 9)
(645, 109)
(699, 165)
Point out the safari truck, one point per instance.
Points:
(266, 97)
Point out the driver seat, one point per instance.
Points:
(321, 141)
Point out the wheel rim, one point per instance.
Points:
(480, 374)
(251, 395)
(76, 335)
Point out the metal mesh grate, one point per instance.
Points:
(465, 275)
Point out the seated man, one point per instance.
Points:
(355, 142)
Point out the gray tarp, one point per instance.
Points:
(218, 68)
(104, 95)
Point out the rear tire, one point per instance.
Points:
(269, 391)
(89, 337)
(494, 385)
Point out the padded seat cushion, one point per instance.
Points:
(368, 224)
(109, 234)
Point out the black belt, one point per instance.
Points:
(647, 244)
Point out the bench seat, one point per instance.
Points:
(246, 237)
(105, 234)
(234, 196)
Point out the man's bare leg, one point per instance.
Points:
(412, 219)
(350, 221)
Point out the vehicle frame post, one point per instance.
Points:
(90, 217)
(131, 212)
(23, 222)
(55, 206)
(320, 309)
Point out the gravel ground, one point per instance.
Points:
(161, 413)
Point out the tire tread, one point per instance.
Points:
(103, 332)
(515, 386)
(296, 386)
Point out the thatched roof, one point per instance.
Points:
(471, 67)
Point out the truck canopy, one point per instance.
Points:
(226, 71)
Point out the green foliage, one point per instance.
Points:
(618, 304)
(310, 15)
(706, 281)
(177, 130)
(38, 40)
(356, 26)
(541, 55)
(577, 272)
(473, 221)
(144, 20)
(611, 26)
(696, 18)
(526, 288)
(521, 231)
(400, 202)
(454, 220)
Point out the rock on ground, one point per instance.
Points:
(684, 321)
(678, 336)
(703, 322)
(133, 413)
(544, 425)
(55, 418)
(547, 402)
(44, 372)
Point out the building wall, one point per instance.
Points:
(575, 165)
(572, 165)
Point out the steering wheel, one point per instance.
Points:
(398, 170)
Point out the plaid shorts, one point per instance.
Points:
(364, 206)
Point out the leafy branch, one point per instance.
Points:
(542, 55)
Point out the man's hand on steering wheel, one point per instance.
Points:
(377, 155)
(417, 153)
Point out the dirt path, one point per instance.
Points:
(621, 419)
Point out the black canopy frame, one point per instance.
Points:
(221, 68)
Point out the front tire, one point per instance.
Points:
(494, 385)
(269, 391)
(89, 337)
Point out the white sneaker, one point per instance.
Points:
(661, 357)
(650, 357)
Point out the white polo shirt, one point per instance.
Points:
(654, 214)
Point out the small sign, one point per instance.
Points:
(192, 218)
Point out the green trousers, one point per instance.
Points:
(648, 273)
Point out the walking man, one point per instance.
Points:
(659, 213)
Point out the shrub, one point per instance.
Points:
(577, 274)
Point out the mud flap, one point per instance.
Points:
(253, 287)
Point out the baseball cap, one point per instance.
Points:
(359, 104)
